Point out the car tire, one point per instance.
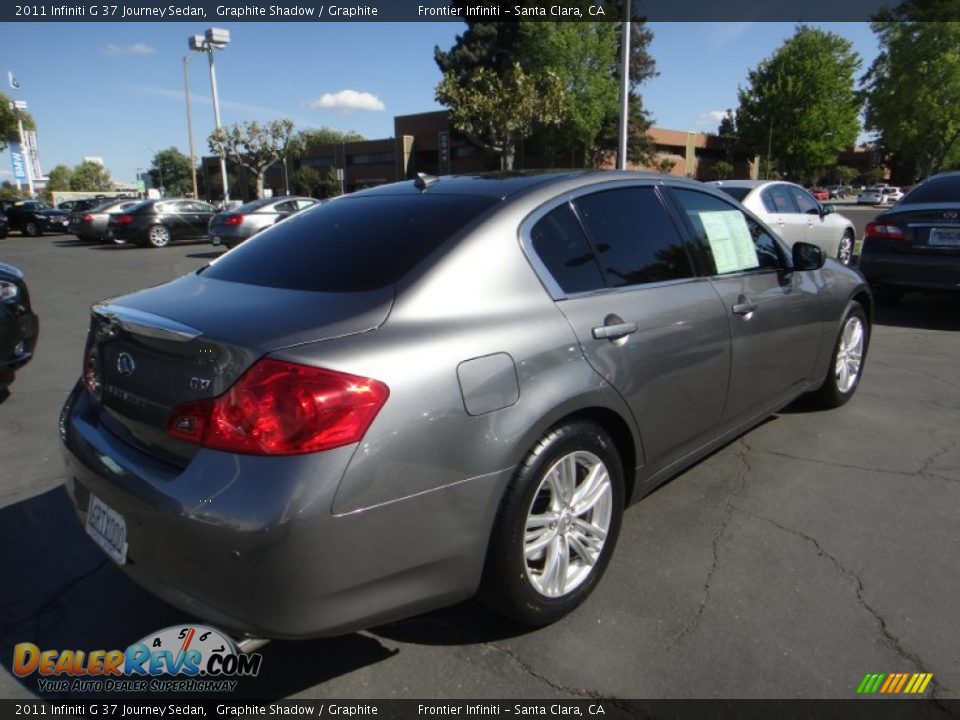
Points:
(158, 236)
(846, 361)
(556, 527)
(31, 229)
(845, 248)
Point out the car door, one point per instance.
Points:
(202, 214)
(645, 322)
(818, 231)
(784, 216)
(773, 313)
(171, 215)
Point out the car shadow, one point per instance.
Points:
(206, 255)
(76, 242)
(923, 311)
(59, 592)
(467, 623)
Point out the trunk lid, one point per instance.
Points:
(931, 229)
(192, 338)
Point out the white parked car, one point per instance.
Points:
(880, 195)
(795, 214)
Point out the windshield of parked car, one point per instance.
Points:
(737, 193)
(351, 244)
(937, 190)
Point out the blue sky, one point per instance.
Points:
(115, 90)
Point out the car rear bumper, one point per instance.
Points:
(909, 270)
(251, 545)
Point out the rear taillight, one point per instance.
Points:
(89, 219)
(124, 219)
(233, 220)
(883, 230)
(282, 408)
(91, 374)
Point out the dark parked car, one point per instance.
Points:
(233, 227)
(157, 223)
(915, 245)
(432, 387)
(4, 226)
(91, 225)
(32, 217)
(18, 325)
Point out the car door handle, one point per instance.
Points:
(744, 308)
(615, 331)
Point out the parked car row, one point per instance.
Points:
(880, 195)
(33, 217)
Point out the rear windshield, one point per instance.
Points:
(938, 190)
(350, 244)
(737, 193)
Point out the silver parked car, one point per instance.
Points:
(392, 401)
(795, 215)
(232, 227)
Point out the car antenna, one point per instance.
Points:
(423, 181)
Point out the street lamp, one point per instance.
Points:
(214, 39)
(193, 154)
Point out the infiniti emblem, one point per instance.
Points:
(125, 364)
(950, 215)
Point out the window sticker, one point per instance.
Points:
(730, 240)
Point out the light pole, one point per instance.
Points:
(624, 89)
(193, 154)
(214, 39)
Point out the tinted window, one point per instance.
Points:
(805, 201)
(633, 237)
(254, 205)
(937, 190)
(776, 199)
(306, 203)
(732, 240)
(560, 243)
(285, 207)
(737, 193)
(350, 244)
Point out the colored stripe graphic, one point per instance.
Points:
(894, 683)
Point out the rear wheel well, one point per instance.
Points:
(618, 429)
(866, 302)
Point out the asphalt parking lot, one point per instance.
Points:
(818, 547)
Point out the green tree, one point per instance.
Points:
(665, 165)
(306, 141)
(721, 170)
(912, 92)
(727, 132)
(59, 178)
(305, 181)
(801, 103)
(170, 169)
(496, 110)
(8, 121)
(90, 177)
(252, 145)
(844, 174)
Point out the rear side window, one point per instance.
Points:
(938, 190)
(633, 237)
(732, 241)
(737, 193)
(559, 242)
(805, 201)
(776, 199)
(350, 244)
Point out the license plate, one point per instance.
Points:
(108, 529)
(215, 240)
(945, 237)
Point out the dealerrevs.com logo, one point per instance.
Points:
(192, 658)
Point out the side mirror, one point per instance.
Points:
(828, 210)
(807, 256)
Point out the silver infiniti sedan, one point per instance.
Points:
(438, 388)
(795, 215)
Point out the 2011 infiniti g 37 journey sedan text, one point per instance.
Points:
(417, 392)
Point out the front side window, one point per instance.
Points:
(732, 241)
(559, 242)
(776, 199)
(805, 201)
(633, 236)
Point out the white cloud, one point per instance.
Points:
(347, 101)
(712, 117)
(135, 49)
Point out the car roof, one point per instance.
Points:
(745, 183)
